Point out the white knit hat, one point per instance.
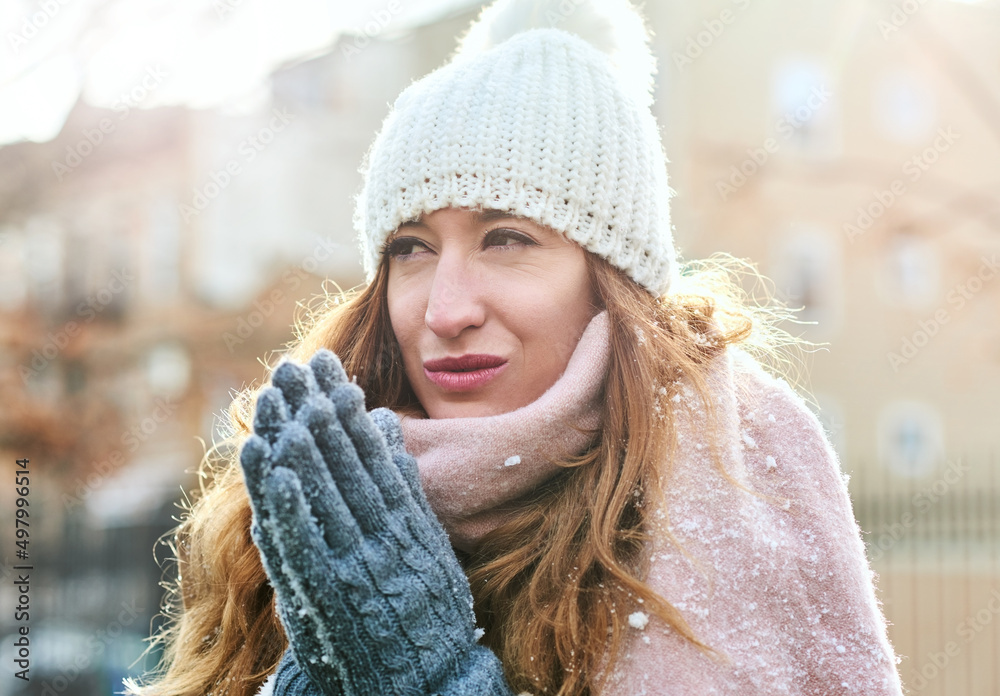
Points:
(544, 111)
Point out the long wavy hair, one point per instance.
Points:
(553, 584)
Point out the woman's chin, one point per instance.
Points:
(465, 408)
(469, 404)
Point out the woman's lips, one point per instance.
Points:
(464, 373)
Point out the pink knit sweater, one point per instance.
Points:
(783, 589)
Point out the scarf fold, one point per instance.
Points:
(471, 467)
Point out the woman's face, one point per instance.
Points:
(487, 309)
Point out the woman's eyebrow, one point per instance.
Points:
(491, 214)
(480, 218)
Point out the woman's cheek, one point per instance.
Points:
(406, 305)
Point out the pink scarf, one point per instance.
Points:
(471, 467)
(783, 589)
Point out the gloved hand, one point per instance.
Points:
(369, 590)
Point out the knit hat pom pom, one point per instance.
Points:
(614, 27)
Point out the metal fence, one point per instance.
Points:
(934, 544)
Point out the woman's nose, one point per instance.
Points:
(455, 298)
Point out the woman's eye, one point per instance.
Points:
(506, 238)
(405, 246)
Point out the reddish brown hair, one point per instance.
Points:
(552, 585)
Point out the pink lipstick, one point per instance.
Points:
(464, 373)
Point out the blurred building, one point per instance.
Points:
(853, 152)
(126, 324)
(150, 259)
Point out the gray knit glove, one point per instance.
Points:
(369, 590)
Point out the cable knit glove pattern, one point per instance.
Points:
(369, 590)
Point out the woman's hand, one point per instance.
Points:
(369, 590)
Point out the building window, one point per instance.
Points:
(168, 369)
(13, 283)
(904, 107)
(807, 272)
(910, 273)
(910, 438)
(43, 264)
(803, 110)
(162, 281)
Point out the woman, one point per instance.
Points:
(634, 504)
